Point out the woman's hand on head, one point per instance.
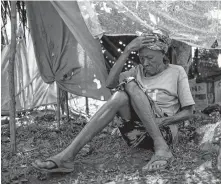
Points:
(140, 42)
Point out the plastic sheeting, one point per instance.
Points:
(197, 23)
(60, 34)
(30, 89)
(67, 53)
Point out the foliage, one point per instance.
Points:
(205, 64)
(208, 54)
(6, 15)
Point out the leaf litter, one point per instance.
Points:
(104, 160)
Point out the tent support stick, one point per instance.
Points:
(87, 106)
(108, 54)
(111, 45)
(11, 77)
(67, 108)
(58, 106)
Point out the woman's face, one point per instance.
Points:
(152, 61)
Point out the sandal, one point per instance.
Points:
(155, 158)
(59, 167)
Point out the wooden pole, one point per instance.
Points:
(62, 100)
(108, 43)
(58, 107)
(86, 72)
(196, 55)
(67, 108)
(87, 105)
(11, 77)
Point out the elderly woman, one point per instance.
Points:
(148, 98)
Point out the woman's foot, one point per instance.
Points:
(48, 164)
(160, 160)
(54, 164)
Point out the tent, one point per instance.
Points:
(66, 38)
(31, 91)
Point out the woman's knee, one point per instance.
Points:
(131, 87)
(119, 98)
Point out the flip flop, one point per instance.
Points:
(156, 158)
(64, 166)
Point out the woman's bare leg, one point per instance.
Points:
(119, 102)
(142, 107)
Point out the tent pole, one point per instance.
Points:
(58, 107)
(67, 108)
(62, 101)
(87, 105)
(110, 44)
(86, 72)
(11, 77)
(108, 54)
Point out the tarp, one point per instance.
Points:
(65, 50)
(197, 23)
(67, 53)
(30, 89)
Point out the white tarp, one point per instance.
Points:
(30, 89)
(197, 23)
(67, 53)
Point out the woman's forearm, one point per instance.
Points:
(113, 76)
(183, 115)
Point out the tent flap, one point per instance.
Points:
(30, 89)
(60, 34)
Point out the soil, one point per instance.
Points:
(106, 159)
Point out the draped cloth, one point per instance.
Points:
(30, 89)
(65, 50)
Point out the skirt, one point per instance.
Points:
(133, 130)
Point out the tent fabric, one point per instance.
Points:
(67, 53)
(59, 35)
(197, 23)
(30, 89)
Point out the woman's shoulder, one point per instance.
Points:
(179, 70)
(176, 67)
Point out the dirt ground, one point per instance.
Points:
(106, 159)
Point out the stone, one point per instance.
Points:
(102, 135)
(116, 132)
(117, 155)
(205, 136)
(53, 135)
(86, 150)
(5, 139)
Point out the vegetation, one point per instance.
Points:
(105, 159)
(6, 16)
